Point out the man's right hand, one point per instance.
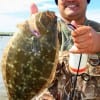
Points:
(86, 39)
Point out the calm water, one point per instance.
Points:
(3, 41)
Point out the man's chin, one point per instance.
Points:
(71, 14)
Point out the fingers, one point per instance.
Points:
(83, 39)
(83, 45)
(33, 8)
(81, 30)
(74, 23)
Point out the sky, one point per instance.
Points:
(13, 12)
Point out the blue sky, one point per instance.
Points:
(13, 12)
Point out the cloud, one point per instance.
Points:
(8, 23)
(15, 11)
(24, 5)
(94, 15)
(15, 5)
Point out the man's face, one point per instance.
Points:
(72, 9)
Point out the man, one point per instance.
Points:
(76, 10)
(33, 8)
(84, 39)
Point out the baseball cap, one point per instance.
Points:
(56, 1)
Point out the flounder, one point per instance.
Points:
(30, 58)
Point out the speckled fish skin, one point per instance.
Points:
(29, 62)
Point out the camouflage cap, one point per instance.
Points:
(56, 1)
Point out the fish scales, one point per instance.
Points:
(29, 62)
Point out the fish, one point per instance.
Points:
(30, 57)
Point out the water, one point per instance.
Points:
(3, 42)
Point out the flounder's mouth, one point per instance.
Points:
(36, 33)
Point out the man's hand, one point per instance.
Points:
(33, 8)
(86, 39)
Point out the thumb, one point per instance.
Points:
(33, 8)
(73, 22)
